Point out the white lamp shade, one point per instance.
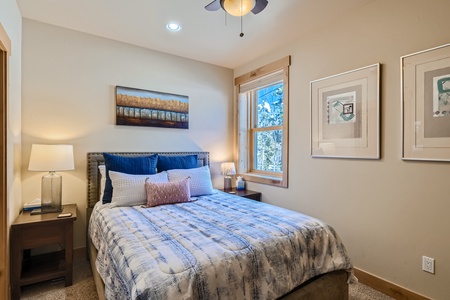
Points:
(227, 168)
(51, 158)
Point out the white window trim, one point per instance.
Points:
(243, 163)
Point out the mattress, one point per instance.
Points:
(219, 246)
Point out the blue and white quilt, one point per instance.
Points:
(218, 247)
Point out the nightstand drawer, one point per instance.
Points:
(47, 235)
(255, 196)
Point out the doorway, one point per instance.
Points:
(5, 46)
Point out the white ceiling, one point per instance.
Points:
(204, 35)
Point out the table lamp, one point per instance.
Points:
(227, 169)
(51, 158)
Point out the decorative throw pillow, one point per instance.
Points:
(200, 179)
(167, 193)
(137, 165)
(129, 190)
(102, 170)
(176, 162)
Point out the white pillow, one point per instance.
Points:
(129, 190)
(102, 170)
(200, 182)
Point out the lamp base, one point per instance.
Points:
(51, 193)
(227, 183)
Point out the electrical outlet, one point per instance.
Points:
(428, 264)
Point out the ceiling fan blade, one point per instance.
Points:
(213, 6)
(259, 6)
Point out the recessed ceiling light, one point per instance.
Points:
(173, 26)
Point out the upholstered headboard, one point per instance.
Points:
(94, 159)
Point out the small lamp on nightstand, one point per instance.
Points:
(51, 158)
(227, 169)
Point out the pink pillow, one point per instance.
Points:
(167, 192)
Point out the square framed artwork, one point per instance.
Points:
(426, 104)
(136, 107)
(345, 114)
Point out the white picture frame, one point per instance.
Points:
(425, 98)
(345, 114)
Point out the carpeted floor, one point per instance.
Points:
(84, 288)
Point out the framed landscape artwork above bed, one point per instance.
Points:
(136, 107)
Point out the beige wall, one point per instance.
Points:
(389, 212)
(68, 97)
(394, 211)
(11, 21)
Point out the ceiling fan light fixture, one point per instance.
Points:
(237, 8)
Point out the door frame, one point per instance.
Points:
(5, 52)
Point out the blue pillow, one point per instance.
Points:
(138, 165)
(177, 162)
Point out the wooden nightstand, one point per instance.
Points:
(245, 193)
(33, 231)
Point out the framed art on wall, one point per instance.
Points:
(426, 104)
(136, 107)
(345, 114)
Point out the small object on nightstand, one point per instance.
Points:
(64, 215)
(240, 184)
(36, 203)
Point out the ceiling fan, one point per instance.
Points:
(238, 8)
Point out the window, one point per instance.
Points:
(262, 124)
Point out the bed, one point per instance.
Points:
(214, 246)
